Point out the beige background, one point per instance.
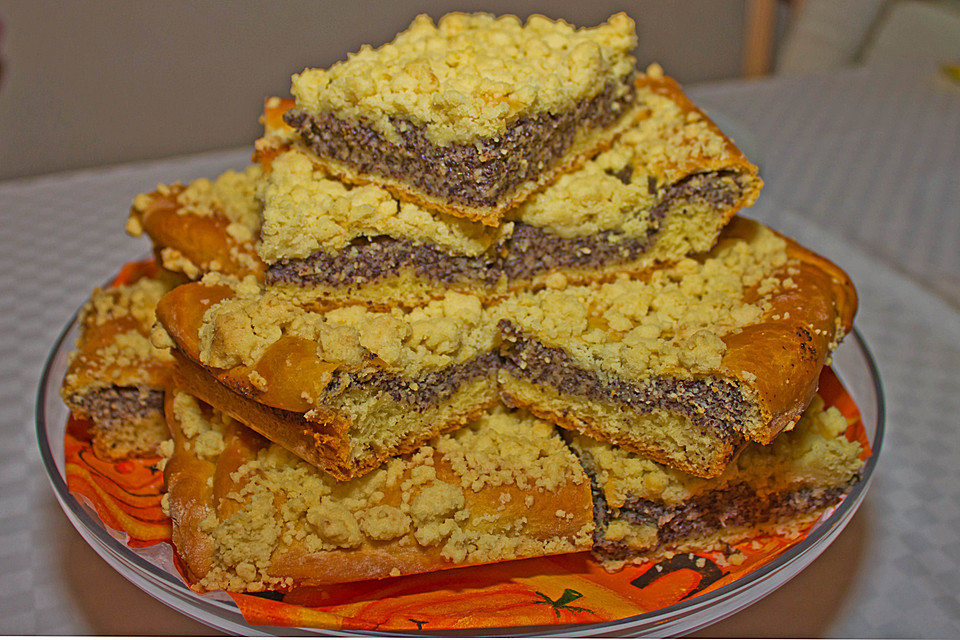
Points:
(106, 81)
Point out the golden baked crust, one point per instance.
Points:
(346, 389)
(204, 226)
(682, 365)
(646, 511)
(780, 357)
(116, 377)
(248, 516)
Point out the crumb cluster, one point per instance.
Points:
(232, 194)
(203, 226)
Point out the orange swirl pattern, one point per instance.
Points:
(126, 494)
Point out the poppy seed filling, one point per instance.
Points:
(526, 253)
(422, 392)
(481, 173)
(706, 513)
(709, 404)
(112, 406)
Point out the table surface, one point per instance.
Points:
(861, 165)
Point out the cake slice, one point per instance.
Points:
(687, 363)
(116, 377)
(248, 516)
(664, 190)
(471, 115)
(646, 511)
(325, 242)
(345, 389)
(206, 225)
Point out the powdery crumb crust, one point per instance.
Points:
(470, 75)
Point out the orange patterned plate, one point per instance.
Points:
(116, 507)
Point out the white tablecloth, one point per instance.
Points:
(862, 165)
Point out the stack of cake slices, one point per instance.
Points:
(482, 295)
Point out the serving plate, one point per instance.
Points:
(152, 569)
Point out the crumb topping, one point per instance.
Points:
(817, 448)
(239, 330)
(127, 314)
(588, 201)
(204, 430)
(498, 452)
(815, 453)
(470, 75)
(130, 348)
(233, 193)
(671, 323)
(305, 210)
(137, 301)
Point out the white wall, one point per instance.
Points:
(106, 81)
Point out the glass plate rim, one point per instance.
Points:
(817, 540)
